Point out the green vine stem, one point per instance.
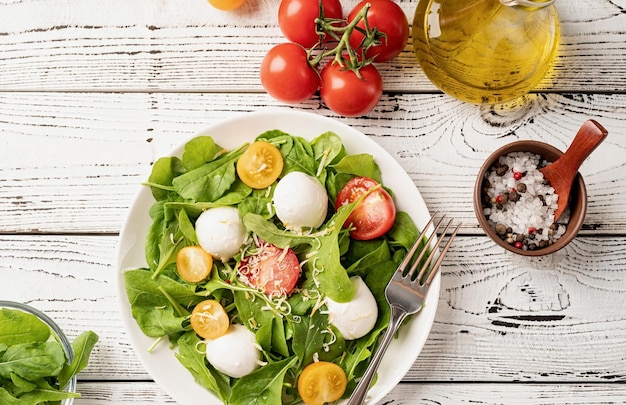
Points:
(343, 53)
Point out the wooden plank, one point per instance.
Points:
(404, 393)
(499, 319)
(72, 162)
(154, 45)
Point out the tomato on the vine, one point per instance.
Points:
(374, 215)
(287, 75)
(347, 94)
(387, 17)
(296, 19)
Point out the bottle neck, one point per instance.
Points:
(528, 3)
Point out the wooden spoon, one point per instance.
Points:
(561, 173)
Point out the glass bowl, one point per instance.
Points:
(56, 332)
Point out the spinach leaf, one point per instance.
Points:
(200, 150)
(82, 345)
(258, 202)
(203, 373)
(263, 386)
(32, 361)
(45, 395)
(328, 149)
(300, 158)
(403, 231)
(151, 308)
(209, 181)
(163, 173)
(21, 327)
(309, 336)
(359, 165)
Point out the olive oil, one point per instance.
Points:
(483, 51)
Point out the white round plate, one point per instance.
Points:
(161, 363)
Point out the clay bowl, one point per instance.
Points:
(577, 198)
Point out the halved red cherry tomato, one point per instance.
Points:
(193, 263)
(347, 94)
(287, 75)
(374, 216)
(296, 19)
(260, 165)
(322, 382)
(272, 270)
(209, 319)
(387, 17)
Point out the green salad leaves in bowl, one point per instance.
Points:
(38, 363)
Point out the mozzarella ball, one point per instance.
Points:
(221, 232)
(354, 319)
(300, 201)
(236, 353)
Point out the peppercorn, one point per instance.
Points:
(501, 170)
(521, 187)
(504, 198)
(518, 244)
(517, 175)
(501, 229)
(513, 196)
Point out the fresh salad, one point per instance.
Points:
(267, 266)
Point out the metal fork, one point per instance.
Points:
(405, 294)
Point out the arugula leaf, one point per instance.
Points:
(309, 337)
(263, 386)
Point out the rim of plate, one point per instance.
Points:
(161, 363)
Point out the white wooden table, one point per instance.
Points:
(92, 92)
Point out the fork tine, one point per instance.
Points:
(417, 261)
(435, 267)
(425, 266)
(407, 259)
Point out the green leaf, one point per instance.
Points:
(404, 231)
(328, 149)
(309, 336)
(263, 386)
(82, 345)
(32, 361)
(359, 165)
(195, 361)
(7, 398)
(20, 327)
(163, 173)
(209, 181)
(200, 150)
(154, 313)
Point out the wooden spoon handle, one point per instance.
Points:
(589, 136)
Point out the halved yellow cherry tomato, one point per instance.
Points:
(226, 4)
(209, 319)
(260, 165)
(321, 382)
(193, 263)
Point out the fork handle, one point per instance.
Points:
(360, 392)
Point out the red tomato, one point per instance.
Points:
(286, 74)
(344, 93)
(387, 17)
(374, 216)
(296, 19)
(272, 270)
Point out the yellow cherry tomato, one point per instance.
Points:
(226, 4)
(260, 165)
(193, 263)
(209, 319)
(321, 382)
